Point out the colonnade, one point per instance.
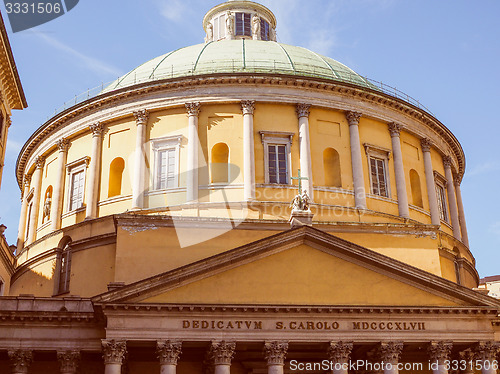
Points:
(384, 357)
(192, 186)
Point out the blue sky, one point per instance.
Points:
(444, 53)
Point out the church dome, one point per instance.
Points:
(239, 56)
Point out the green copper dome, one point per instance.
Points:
(239, 56)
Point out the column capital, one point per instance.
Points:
(168, 351)
(248, 106)
(193, 109)
(114, 352)
(221, 353)
(395, 129)
(141, 116)
(426, 144)
(486, 351)
(447, 162)
(339, 352)
(8, 120)
(439, 351)
(96, 129)
(39, 162)
(20, 360)
(26, 180)
(275, 352)
(62, 145)
(353, 118)
(302, 110)
(68, 361)
(390, 351)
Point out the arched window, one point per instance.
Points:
(115, 177)
(47, 203)
(219, 165)
(416, 191)
(64, 265)
(331, 163)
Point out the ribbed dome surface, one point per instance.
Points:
(239, 56)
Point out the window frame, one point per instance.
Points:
(277, 138)
(265, 32)
(443, 203)
(159, 145)
(80, 165)
(383, 154)
(217, 22)
(64, 273)
(246, 26)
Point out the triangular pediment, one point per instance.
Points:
(304, 266)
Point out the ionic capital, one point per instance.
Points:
(353, 118)
(193, 109)
(68, 361)
(486, 351)
(447, 162)
(20, 360)
(390, 352)
(62, 145)
(426, 144)
(168, 351)
(439, 351)
(221, 353)
(339, 352)
(40, 162)
(248, 106)
(96, 129)
(395, 129)
(113, 352)
(141, 117)
(302, 110)
(275, 352)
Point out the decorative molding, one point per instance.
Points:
(273, 135)
(248, 106)
(69, 361)
(221, 353)
(375, 150)
(63, 145)
(395, 129)
(353, 118)
(275, 352)
(193, 109)
(20, 359)
(340, 352)
(113, 352)
(390, 352)
(439, 351)
(84, 160)
(168, 351)
(302, 110)
(141, 117)
(96, 129)
(426, 144)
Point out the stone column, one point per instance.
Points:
(452, 198)
(395, 130)
(390, 354)
(141, 120)
(431, 183)
(486, 353)
(168, 352)
(248, 108)
(94, 171)
(461, 212)
(20, 360)
(339, 354)
(68, 361)
(37, 185)
(275, 354)
(305, 147)
(57, 196)
(220, 355)
(113, 353)
(24, 212)
(439, 353)
(193, 110)
(356, 160)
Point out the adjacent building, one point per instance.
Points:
(157, 235)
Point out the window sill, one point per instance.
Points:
(382, 198)
(334, 189)
(167, 190)
(73, 212)
(276, 185)
(44, 226)
(115, 199)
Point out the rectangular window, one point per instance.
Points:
(441, 197)
(76, 190)
(378, 177)
(278, 168)
(219, 27)
(65, 271)
(28, 221)
(264, 30)
(244, 24)
(166, 169)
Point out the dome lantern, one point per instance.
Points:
(239, 19)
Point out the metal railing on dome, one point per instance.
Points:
(241, 66)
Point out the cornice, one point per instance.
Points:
(345, 89)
